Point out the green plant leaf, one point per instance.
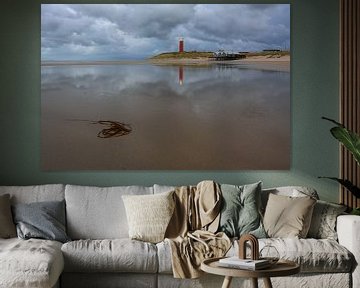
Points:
(355, 211)
(347, 184)
(349, 139)
(333, 121)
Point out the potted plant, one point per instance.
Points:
(351, 141)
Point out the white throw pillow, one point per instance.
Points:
(149, 215)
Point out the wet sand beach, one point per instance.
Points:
(182, 116)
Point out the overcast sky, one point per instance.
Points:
(138, 31)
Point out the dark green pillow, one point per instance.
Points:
(240, 213)
(43, 220)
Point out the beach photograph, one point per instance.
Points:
(165, 87)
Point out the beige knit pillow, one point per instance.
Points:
(288, 217)
(149, 215)
(7, 226)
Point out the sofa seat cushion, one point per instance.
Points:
(115, 255)
(30, 263)
(313, 255)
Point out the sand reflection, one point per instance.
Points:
(221, 117)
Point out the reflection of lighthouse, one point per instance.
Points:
(181, 68)
(181, 44)
(181, 75)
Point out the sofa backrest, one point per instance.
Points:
(162, 188)
(36, 193)
(98, 212)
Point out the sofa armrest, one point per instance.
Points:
(348, 230)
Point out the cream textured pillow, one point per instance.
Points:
(7, 226)
(288, 217)
(149, 215)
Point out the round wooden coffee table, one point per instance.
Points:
(281, 268)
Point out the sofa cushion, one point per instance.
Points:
(149, 215)
(291, 191)
(116, 255)
(323, 222)
(7, 227)
(164, 257)
(240, 210)
(313, 255)
(98, 213)
(287, 216)
(30, 263)
(163, 188)
(37, 193)
(43, 220)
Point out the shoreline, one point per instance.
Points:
(252, 59)
(92, 62)
(262, 62)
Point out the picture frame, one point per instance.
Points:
(165, 87)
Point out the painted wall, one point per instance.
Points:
(314, 92)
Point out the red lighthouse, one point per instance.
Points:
(181, 44)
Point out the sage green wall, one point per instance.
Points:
(314, 92)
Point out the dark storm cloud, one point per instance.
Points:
(118, 31)
(242, 27)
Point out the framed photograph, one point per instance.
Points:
(165, 86)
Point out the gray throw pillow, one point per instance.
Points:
(44, 220)
(7, 227)
(323, 222)
(240, 213)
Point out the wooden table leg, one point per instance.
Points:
(227, 282)
(254, 282)
(267, 283)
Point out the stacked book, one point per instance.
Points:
(248, 264)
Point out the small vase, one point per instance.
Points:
(270, 253)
